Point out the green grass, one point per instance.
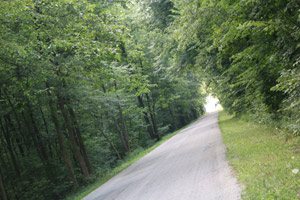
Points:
(126, 163)
(262, 158)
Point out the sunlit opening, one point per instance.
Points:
(212, 104)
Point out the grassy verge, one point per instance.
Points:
(264, 161)
(127, 162)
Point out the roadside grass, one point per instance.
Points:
(132, 158)
(262, 158)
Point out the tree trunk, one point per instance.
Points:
(66, 156)
(173, 118)
(146, 118)
(47, 131)
(120, 133)
(153, 128)
(111, 144)
(78, 134)
(40, 143)
(125, 135)
(75, 147)
(80, 140)
(151, 109)
(35, 135)
(10, 148)
(117, 125)
(18, 124)
(2, 188)
(29, 128)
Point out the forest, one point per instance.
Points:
(83, 84)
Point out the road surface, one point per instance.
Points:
(189, 166)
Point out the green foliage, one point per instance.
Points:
(82, 86)
(248, 53)
(289, 83)
(84, 83)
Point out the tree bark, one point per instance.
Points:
(146, 118)
(29, 128)
(2, 188)
(10, 148)
(152, 115)
(66, 156)
(47, 131)
(111, 144)
(78, 133)
(40, 143)
(80, 140)
(153, 128)
(173, 118)
(117, 125)
(75, 147)
(18, 124)
(125, 135)
(120, 133)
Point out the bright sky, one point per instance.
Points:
(212, 104)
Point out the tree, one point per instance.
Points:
(82, 86)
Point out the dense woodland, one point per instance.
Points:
(85, 83)
(81, 88)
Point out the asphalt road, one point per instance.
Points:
(189, 166)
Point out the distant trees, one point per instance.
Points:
(82, 84)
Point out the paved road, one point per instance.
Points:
(189, 166)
